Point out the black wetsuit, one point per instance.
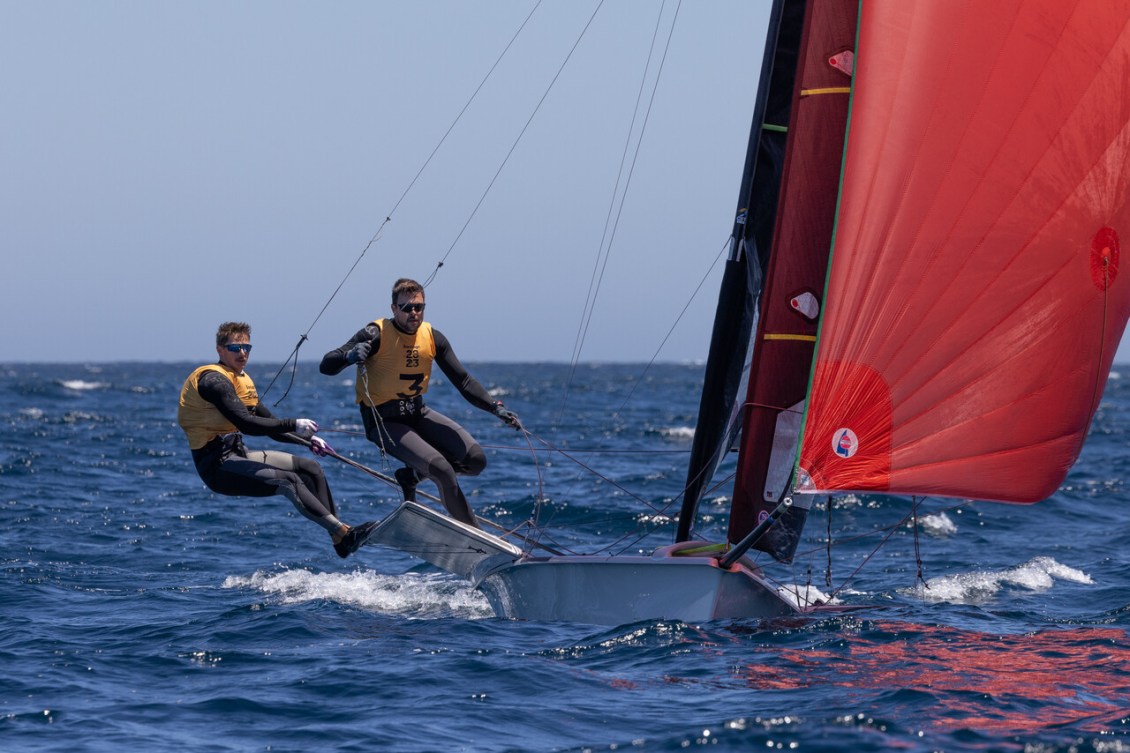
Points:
(229, 468)
(426, 440)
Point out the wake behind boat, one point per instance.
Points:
(922, 301)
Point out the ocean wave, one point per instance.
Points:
(1038, 574)
(804, 596)
(80, 385)
(938, 524)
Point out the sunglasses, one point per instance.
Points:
(411, 308)
(236, 348)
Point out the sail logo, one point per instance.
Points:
(845, 443)
(1104, 257)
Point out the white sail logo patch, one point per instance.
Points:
(845, 443)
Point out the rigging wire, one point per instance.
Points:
(516, 448)
(865, 560)
(918, 547)
(639, 379)
(514, 146)
(628, 181)
(605, 249)
(887, 531)
(596, 473)
(388, 216)
(616, 189)
(539, 499)
(828, 540)
(671, 330)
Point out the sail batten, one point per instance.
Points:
(974, 303)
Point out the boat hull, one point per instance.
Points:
(624, 589)
(678, 582)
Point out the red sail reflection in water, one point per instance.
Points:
(979, 681)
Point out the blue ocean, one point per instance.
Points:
(142, 612)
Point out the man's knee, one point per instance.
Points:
(441, 472)
(308, 465)
(473, 463)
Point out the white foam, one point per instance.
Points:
(846, 501)
(804, 596)
(937, 525)
(1038, 574)
(429, 595)
(82, 384)
(678, 432)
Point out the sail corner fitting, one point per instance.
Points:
(804, 483)
(844, 62)
(806, 305)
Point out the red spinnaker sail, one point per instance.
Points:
(975, 300)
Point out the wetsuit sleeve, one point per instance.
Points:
(336, 360)
(218, 391)
(285, 436)
(468, 386)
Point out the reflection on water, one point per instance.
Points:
(1001, 683)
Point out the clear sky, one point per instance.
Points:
(167, 166)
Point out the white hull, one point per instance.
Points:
(619, 590)
(675, 583)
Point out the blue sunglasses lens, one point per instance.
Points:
(235, 348)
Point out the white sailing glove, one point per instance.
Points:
(320, 447)
(305, 428)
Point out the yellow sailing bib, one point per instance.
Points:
(401, 367)
(202, 421)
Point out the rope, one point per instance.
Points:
(382, 432)
(539, 497)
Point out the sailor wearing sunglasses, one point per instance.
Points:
(394, 358)
(219, 404)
